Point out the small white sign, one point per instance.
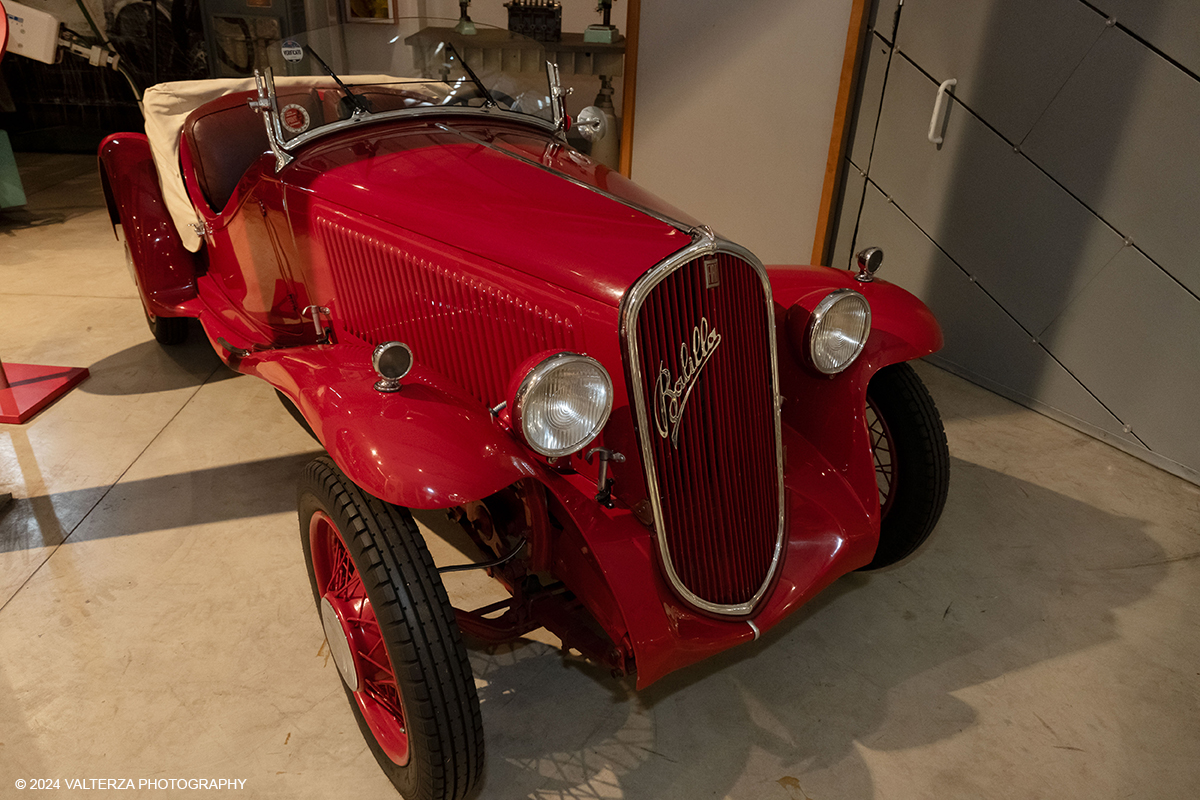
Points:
(292, 51)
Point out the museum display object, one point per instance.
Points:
(659, 447)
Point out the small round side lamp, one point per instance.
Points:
(392, 361)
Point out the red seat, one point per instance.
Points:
(226, 136)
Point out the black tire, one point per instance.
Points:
(168, 330)
(296, 415)
(912, 461)
(398, 602)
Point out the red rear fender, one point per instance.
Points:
(165, 271)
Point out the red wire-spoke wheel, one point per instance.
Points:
(392, 636)
(912, 461)
(354, 638)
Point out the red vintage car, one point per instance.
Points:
(660, 447)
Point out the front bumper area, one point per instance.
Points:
(828, 533)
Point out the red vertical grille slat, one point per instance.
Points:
(718, 492)
(473, 332)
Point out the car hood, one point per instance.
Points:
(506, 193)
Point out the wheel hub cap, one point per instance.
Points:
(339, 645)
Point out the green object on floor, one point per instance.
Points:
(11, 192)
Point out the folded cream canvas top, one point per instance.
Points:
(166, 106)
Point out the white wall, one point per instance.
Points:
(735, 105)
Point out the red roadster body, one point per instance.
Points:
(735, 474)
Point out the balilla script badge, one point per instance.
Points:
(671, 396)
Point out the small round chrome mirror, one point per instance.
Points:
(392, 361)
(869, 262)
(591, 124)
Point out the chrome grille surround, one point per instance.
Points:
(704, 243)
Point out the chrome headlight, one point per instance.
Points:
(837, 330)
(562, 403)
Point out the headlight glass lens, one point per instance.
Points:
(838, 330)
(563, 403)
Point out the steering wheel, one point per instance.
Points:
(473, 93)
(228, 60)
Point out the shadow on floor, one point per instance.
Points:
(251, 489)
(16, 219)
(150, 367)
(1015, 575)
(41, 172)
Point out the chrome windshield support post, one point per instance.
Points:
(269, 108)
(558, 99)
(321, 331)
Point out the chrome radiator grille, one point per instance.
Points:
(700, 341)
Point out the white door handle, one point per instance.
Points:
(935, 120)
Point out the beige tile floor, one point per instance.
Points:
(156, 622)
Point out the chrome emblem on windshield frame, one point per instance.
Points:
(672, 394)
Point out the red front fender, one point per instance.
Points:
(830, 410)
(425, 446)
(902, 327)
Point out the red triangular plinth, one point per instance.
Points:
(31, 388)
